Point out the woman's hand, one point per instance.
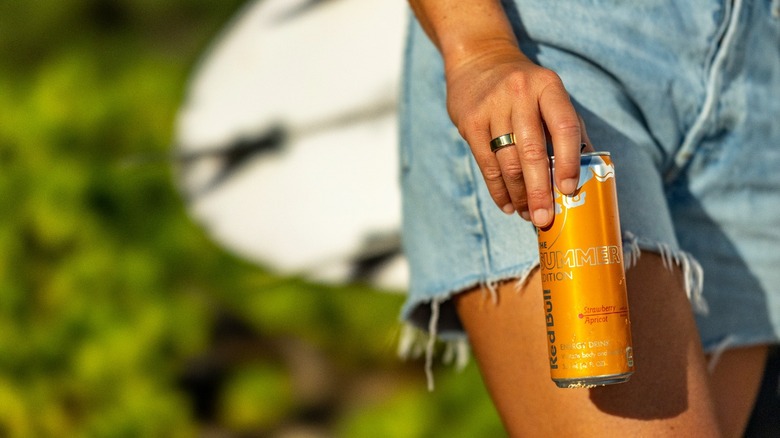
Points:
(500, 91)
(492, 90)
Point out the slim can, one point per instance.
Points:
(583, 279)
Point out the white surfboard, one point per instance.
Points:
(286, 142)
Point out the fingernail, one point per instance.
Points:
(508, 209)
(525, 215)
(541, 217)
(568, 186)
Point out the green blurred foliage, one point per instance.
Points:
(112, 299)
(256, 398)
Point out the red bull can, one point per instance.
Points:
(583, 279)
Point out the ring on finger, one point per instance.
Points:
(502, 141)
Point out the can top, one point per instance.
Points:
(588, 154)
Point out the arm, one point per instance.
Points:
(493, 89)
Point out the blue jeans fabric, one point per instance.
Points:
(685, 95)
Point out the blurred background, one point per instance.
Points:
(119, 315)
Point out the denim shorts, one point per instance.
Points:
(684, 94)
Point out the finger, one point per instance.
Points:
(491, 171)
(512, 174)
(510, 165)
(563, 123)
(532, 150)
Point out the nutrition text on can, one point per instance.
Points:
(583, 281)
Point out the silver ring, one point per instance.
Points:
(502, 141)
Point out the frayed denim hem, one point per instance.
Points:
(415, 341)
(693, 274)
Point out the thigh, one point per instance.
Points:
(667, 395)
(735, 379)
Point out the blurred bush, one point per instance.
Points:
(117, 316)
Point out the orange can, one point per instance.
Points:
(583, 279)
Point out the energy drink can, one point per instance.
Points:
(583, 279)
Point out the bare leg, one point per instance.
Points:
(735, 381)
(667, 396)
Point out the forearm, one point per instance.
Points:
(462, 29)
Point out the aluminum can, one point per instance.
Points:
(583, 281)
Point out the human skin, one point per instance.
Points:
(671, 393)
(493, 89)
(667, 396)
